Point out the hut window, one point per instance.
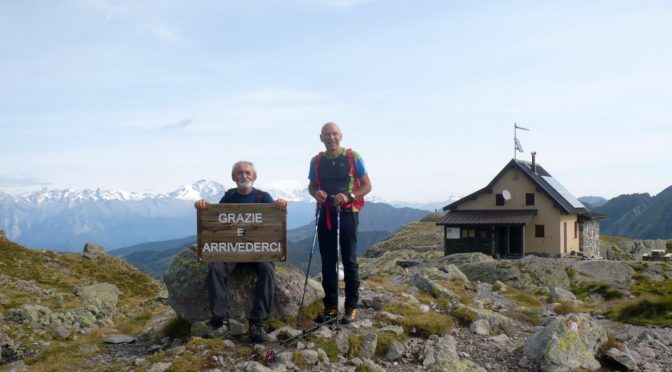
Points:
(529, 198)
(538, 231)
(499, 199)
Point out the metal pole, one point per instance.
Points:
(338, 254)
(310, 259)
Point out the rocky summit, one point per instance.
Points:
(419, 311)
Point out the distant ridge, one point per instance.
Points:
(639, 216)
(64, 220)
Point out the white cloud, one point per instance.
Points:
(178, 125)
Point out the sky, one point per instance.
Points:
(146, 95)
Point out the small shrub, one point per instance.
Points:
(464, 315)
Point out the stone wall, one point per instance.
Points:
(590, 239)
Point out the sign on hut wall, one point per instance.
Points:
(250, 232)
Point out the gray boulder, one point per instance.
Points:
(560, 295)
(102, 298)
(566, 343)
(36, 315)
(439, 350)
(93, 248)
(188, 295)
(612, 273)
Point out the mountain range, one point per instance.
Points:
(377, 221)
(64, 220)
(638, 216)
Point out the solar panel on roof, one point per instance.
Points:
(563, 191)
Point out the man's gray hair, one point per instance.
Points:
(243, 162)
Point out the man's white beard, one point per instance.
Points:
(244, 184)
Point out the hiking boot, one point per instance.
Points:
(329, 313)
(350, 316)
(217, 322)
(257, 333)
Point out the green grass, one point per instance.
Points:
(646, 286)
(522, 298)
(329, 347)
(650, 311)
(420, 324)
(583, 290)
(464, 315)
(385, 340)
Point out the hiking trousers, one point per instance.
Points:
(218, 297)
(327, 239)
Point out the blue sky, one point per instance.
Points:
(148, 95)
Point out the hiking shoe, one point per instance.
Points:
(329, 313)
(217, 322)
(257, 333)
(350, 316)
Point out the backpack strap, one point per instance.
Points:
(356, 204)
(318, 158)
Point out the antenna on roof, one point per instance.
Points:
(516, 144)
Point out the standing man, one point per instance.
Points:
(338, 181)
(243, 174)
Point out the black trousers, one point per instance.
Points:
(327, 239)
(217, 280)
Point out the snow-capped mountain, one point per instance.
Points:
(202, 189)
(66, 219)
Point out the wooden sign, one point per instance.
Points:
(250, 232)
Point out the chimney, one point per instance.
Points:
(534, 162)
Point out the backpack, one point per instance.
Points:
(352, 172)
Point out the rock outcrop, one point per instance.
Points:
(187, 290)
(566, 343)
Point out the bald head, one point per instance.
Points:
(331, 137)
(329, 127)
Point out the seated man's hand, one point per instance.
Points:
(281, 204)
(200, 204)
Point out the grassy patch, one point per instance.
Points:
(311, 312)
(646, 286)
(385, 340)
(383, 280)
(650, 311)
(523, 315)
(523, 298)
(583, 290)
(329, 347)
(356, 343)
(464, 315)
(417, 323)
(568, 308)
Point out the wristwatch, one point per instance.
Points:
(352, 196)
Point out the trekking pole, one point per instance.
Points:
(310, 259)
(338, 254)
